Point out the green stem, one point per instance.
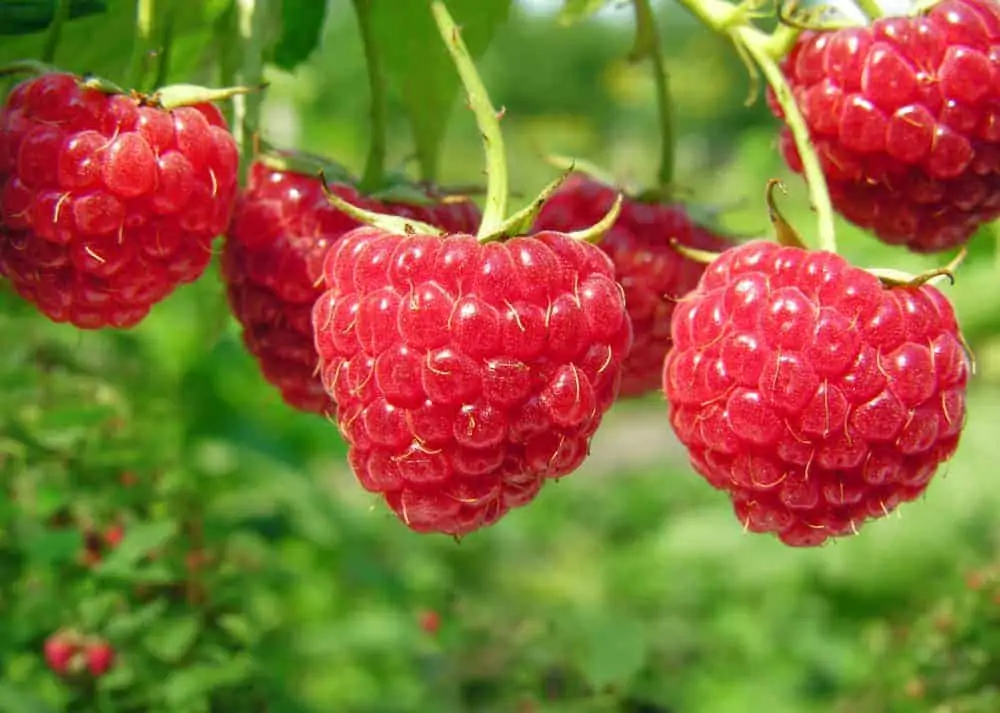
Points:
(145, 13)
(59, 18)
(733, 21)
(871, 8)
(166, 44)
(487, 119)
(251, 18)
(375, 165)
(648, 43)
(754, 41)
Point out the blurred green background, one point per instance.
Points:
(628, 586)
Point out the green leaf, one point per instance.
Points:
(574, 11)
(418, 65)
(302, 24)
(239, 628)
(172, 638)
(613, 648)
(126, 624)
(138, 542)
(194, 682)
(14, 700)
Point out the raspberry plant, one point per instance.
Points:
(271, 330)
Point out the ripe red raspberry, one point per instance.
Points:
(59, 651)
(905, 117)
(465, 373)
(100, 657)
(653, 274)
(108, 203)
(272, 262)
(814, 395)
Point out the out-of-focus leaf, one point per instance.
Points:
(419, 66)
(15, 700)
(574, 11)
(126, 624)
(301, 28)
(139, 541)
(173, 637)
(613, 649)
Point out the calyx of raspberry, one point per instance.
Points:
(788, 236)
(496, 224)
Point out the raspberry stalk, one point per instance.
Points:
(647, 44)
(487, 119)
(375, 165)
(251, 17)
(762, 48)
(145, 11)
(59, 18)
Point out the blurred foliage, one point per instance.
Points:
(628, 587)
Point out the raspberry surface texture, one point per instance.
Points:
(815, 396)
(272, 263)
(651, 271)
(466, 374)
(905, 118)
(108, 204)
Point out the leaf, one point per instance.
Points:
(139, 541)
(126, 624)
(417, 62)
(172, 638)
(302, 23)
(193, 682)
(613, 649)
(23, 17)
(574, 11)
(14, 700)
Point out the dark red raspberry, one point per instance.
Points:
(60, 649)
(108, 204)
(653, 274)
(814, 395)
(272, 262)
(905, 117)
(100, 657)
(465, 373)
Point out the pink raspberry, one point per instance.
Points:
(905, 117)
(651, 271)
(282, 229)
(108, 202)
(466, 374)
(100, 657)
(60, 648)
(815, 396)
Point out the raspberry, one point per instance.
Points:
(59, 652)
(108, 203)
(466, 373)
(905, 118)
(653, 274)
(100, 657)
(814, 395)
(282, 228)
